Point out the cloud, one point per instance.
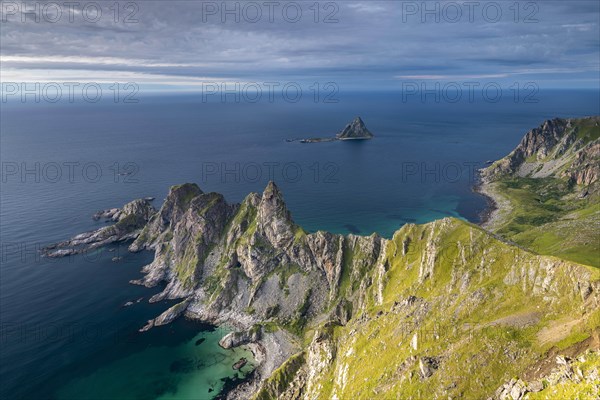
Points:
(362, 43)
(366, 7)
(451, 77)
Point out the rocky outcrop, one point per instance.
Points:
(110, 214)
(168, 316)
(585, 169)
(236, 339)
(129, 222)
(247, 263)
(355, 130)
(577, 377)
(558, 148)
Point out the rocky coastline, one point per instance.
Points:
(496, 208)
(317, 310)
(128, 223)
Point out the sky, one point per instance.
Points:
(184, 45)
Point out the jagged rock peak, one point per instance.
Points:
(178, 200)
(273, 205)
(185, 191)
(272, 194)
(171, 212)
(274, 217)
(355, 130)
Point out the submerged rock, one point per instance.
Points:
(240, 364)
(149, 325)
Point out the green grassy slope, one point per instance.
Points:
(547, 217)
(480, 310)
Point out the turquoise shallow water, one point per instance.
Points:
(187, 371)
(63, 328)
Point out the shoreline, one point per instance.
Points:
(481, 187)
(269, 352)
(498, 205)
(491, 209)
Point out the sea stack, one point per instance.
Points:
(355, 130)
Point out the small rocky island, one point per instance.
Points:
(355, 130)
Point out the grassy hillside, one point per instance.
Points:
(466, 309)
(547, 216)
(454, 313)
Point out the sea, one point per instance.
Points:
(66, 331)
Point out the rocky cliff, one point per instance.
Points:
(561, 148)
(247, 263)
(451, 313)
(442, 309)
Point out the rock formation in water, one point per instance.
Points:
(129, 222)
(355, 130)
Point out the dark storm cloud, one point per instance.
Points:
(166, 42)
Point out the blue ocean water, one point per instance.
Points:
(63, 324)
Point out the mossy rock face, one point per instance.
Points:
(184, 193)
(280, 380)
